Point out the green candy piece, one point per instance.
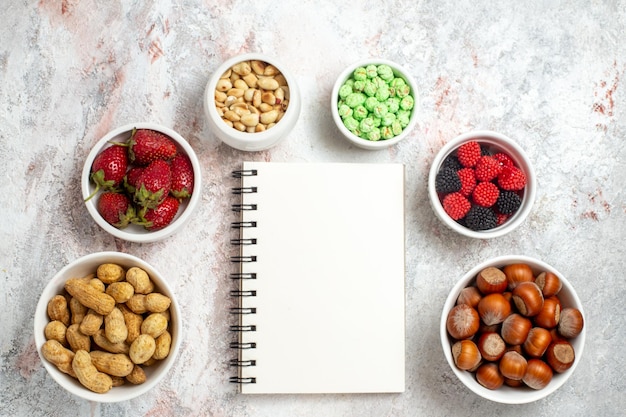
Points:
(380, 110)
(370, 103)
(396, 127)
(370, 88)
(360, 113)
(403, 91)
(345, 90)
(371, 71)
(382, 93)
(350, 123)
(374, 135)
(359, 74)
(403, 117)
(345, 111)
(385, 72)
(397, 82)
(393, 104)
(377, 121)
(386, 132)
(359, 85)
(388, 119)
(366, 125)
(407, 103)
(355, 99)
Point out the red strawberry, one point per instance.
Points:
(108, 169)
(468, 180)
(162, 215)
(182, 176)
(487, 168)
(511, 178)
(131, 178)
(116, 209)
(153, 185)
(145, 146)
(456, 205)
(468, 153)
(485, 194)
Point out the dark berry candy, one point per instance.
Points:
(447, 181)
(508, 202)
(481, 218)
(452, 161)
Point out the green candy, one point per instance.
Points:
(360, 74)
(374, 135)
(366, 125)
(345, 90)
(386, 132)
(388, 119)
(350, 123)
(359, 85)
(371, 71)
(403, 117)
(344, 111)
(403, 91)
(393, 104)
(370, 88)
(382, 93)
(406, 103)
(370, 103)
(355, 99)
(360, 113)
(380, 110)
(385, 72)
(396, 127)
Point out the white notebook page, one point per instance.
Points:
(330, 278)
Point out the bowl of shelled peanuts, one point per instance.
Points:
(513, 329)
(374, 103)
(252, 102)
(107, 327)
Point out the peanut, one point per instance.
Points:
(101, 340)
(120, 291)
(109, 273)
(140, 280)
(142, 349)
(114, 364)
(56, 354)
(137, 376)
(133, 323)
(77, 339)
(157, 302)
(77, 311)
(91, 323)
(55, 330)
(114, 326)
(118, 381)
(88, 374)
(89, 296)
(58, 310)
(154, 325)
(163, 345)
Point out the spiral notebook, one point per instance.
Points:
(319, 278)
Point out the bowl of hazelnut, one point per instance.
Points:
(252, 102)
(482, 184)
(513, 330)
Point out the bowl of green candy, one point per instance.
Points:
(374, 103)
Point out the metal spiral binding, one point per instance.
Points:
(240, 276)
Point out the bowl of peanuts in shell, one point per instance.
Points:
(513, 330)
(108, 327)
(252, 102)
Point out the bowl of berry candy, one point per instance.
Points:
(481, 184)
(141, 182)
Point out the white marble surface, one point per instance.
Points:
(548, 74)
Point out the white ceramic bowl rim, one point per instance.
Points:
(497, 140)
(292, 112)
(141, 235)
(55, 286)
(505, 394)
(398, 70)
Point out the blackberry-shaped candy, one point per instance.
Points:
(481, 218)
(508, 202)
(447, 181)
(452, 161)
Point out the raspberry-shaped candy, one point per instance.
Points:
(487, 168)
(468, 181)
(456, 205)
(511, 178)
(447, 181)
(508, 202)
(485, 194)
(501, 218)
(468, 153)
(481, 218)
(504, 159)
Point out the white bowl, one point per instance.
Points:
(136, 233)
(258, 141)
(506, 394)
(503, 143)
(82, 267)
(347, 73)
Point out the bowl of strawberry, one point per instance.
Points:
(141, 182)
(482, 184)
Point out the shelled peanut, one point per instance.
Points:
(106, 327)
(509, 327)
(252, 96)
